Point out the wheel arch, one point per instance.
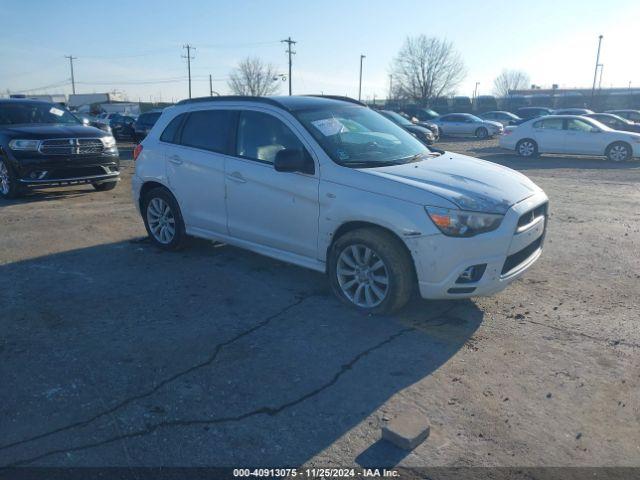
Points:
(147, 187)
(352, 225)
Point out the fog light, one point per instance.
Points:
(472, 274)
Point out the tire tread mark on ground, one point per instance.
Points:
(158, 386)
(265, 410)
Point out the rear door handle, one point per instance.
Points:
(175, 159)
(236, 177)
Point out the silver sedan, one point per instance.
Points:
(468, 125)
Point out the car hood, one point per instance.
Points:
(468, 182)
(41, 132)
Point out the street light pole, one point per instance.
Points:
(475, 93)
(362, 57)
(595, 73)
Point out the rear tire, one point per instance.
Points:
(163, 219)
(527, 148)
(370, 270)
(103, 187)
(9, 186)
(619, 152)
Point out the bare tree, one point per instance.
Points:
(254, 77)
(510, 80)
(426, 68)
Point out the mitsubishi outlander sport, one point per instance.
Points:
(331, 185)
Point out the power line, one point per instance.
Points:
(73, 80)
(45, 87)
(189, 58)
(289, 42)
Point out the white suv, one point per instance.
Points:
(328, 184)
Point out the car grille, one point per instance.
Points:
(72, 146)
(521, 256)
(532, 215)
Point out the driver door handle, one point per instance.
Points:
(236, 177)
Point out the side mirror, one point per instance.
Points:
(293, 160)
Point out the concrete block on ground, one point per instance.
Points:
(407, 430)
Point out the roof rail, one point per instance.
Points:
(227, 98)
(339, 97)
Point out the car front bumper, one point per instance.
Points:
(505, 254)
(57, 170)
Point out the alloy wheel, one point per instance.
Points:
(5, 185)
(362, 276)
(526, 149)
(618, 153)
(161, 220)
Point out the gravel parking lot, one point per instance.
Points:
(115, 353)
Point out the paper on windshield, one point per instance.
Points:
(329, 126)
(56, 111)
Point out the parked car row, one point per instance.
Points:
(122, 127)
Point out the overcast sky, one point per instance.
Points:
(136, 46)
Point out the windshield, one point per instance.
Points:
(473, 117)
(396, 118)
(359, 137)
(36, 113)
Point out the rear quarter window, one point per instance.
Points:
(170, 133)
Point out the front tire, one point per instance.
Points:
(527, 148)
(370, 270)
(482, 133)
(9, 186)
(163, 219)
(619, 152)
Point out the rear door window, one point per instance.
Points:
(550, 124)
(208, 130)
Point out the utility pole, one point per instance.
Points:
(390, 86)
(289, 42)
(210, 86)
(73, 80)
(595, 73)
(189, 58)
(475, 93)
(362, 57)
(600, 81)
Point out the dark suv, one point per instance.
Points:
(44, 145)
(144, 123)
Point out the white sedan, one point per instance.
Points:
(573, 135)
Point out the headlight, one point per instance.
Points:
(109, 142)
(462, 223)
(24, 144)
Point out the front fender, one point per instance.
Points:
(340, 205)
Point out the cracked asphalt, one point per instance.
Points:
(113, 353)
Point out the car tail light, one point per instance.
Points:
(137, 151)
